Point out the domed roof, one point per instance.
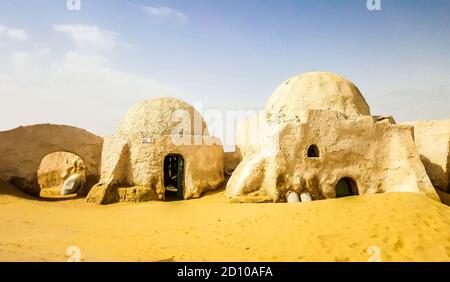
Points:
(315, 90)
(162, 116)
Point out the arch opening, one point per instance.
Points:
(346, 187)
(61, 175)
(174, 177)
(313, 151)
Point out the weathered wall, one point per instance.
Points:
(23, 148)
(432, 139)
(231, 161)
(378, 155)
(138, 165)
(253, 134)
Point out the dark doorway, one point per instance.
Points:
(174, 177)
(346, 187)
(313, 151)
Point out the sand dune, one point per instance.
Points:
(404, 226)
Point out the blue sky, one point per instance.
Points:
(86, 68)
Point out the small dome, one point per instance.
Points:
(162, 116)
(315, 90)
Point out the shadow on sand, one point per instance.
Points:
(11, 190)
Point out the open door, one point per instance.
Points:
(346, 187)
(174, 177)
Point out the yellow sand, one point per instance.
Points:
(404, 226)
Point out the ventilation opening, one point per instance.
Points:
(346, 187)
(174, 177)
(313, 152)
(61, 175)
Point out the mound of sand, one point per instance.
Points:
(402, 226)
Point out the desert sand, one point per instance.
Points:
(404, 226)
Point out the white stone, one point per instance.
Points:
(292, 197)
(72, 184)
(305, 197)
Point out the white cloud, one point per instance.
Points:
(19, 59)
(89, 35)
(165, 13)
(415, 104)
(75, 89)
(18, 34)
(13, 33)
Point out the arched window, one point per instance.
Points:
(346, 187)
(313, 151)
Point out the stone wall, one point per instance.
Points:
(139, 166)
(378, 155)
(432, 139)
(22, 150)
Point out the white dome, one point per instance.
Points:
(161, 116)
(315, 90)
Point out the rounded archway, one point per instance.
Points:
(174, 177)
(23, 148)
(61, 175)
(346, 187)
(313, 151)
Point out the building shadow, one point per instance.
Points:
(11, 190)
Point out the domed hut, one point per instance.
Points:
(294, 98)
(316, 138)
(161, 151)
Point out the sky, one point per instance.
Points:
(87, 67)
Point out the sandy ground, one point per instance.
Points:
(404, 226)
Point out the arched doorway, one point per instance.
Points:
(34, 142)
(346, 187)
(174, 177)
(59, 171)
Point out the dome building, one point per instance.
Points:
(316, 138)
(161, 151)
(292, 100)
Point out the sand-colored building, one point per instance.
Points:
(432, 139)
(161, 150)
(317, 138)
(23, 149)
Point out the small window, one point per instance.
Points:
(313, 152)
